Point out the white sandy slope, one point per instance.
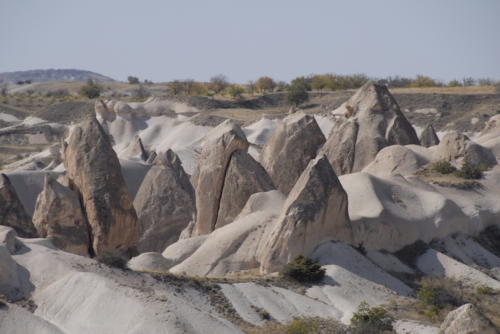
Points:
(79, 295)
(438, 264)
(351, 279)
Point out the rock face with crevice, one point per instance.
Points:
(244, 177)
(429, 137)
(59, 217)
(315, 211)
(12, 212)
(466, 319)
(165, 203)
(370, 120)
(95, 174)
(293, 144)
(208, 178)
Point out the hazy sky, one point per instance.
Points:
(163, 40)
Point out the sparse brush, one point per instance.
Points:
(443, 167)
(303, 269)
(371, 320)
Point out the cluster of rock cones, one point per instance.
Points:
(90, 212)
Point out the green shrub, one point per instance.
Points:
(485, 290)
(371, 320)
(303, 269)
(428, 296)
(469, 171)
(301, 326)
(235, 91)
(443, 167)
(297, 92)
(91, 90)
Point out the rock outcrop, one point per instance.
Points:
(59, 217)
(456, 147)
(150, 261)
(95, 174)
(12, 212)
(244, 177)
(466, 319)
(165, 203)
(372, 121)
(293, 144)
(429, 137)
(395, 159)
(208, 178)
(315, 211)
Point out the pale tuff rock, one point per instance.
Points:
(315, 211)
(136, 149)
(466, 319)
(165, 203)
(12, 212)
(455, 147)
(59, 217)
(340, 146)
(8, 238)
(293, 144)
(208, 178)
(394, 160)
(95, 174)
(244, 177)
(372, 121)
(429, 137)
(150, 261)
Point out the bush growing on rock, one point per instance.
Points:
(303, 269)
(371, 320)
(468, 171)
(443, 167)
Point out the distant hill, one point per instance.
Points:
(52, 75)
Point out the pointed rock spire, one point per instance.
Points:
(315, 211)
(59, 217)
(374, 122)
(95, 174)
(12, 212)
(165, 203)
(429, 137)
(244, 177)
(208, 178)
(293, 144)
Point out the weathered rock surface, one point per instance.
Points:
(466, 319)
(395, 159)
(372, 121)
(95, 174)
(456, 147)
(12, 211)
(315, 211)
(293, 144)
(244, 177)
(59, 217)
(165, 203)
(341, 145)
(208, 178)
(8, 238)
(136, 149)
(429, 137)
(150, 261)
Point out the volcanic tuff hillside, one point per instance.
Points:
(203, 212)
